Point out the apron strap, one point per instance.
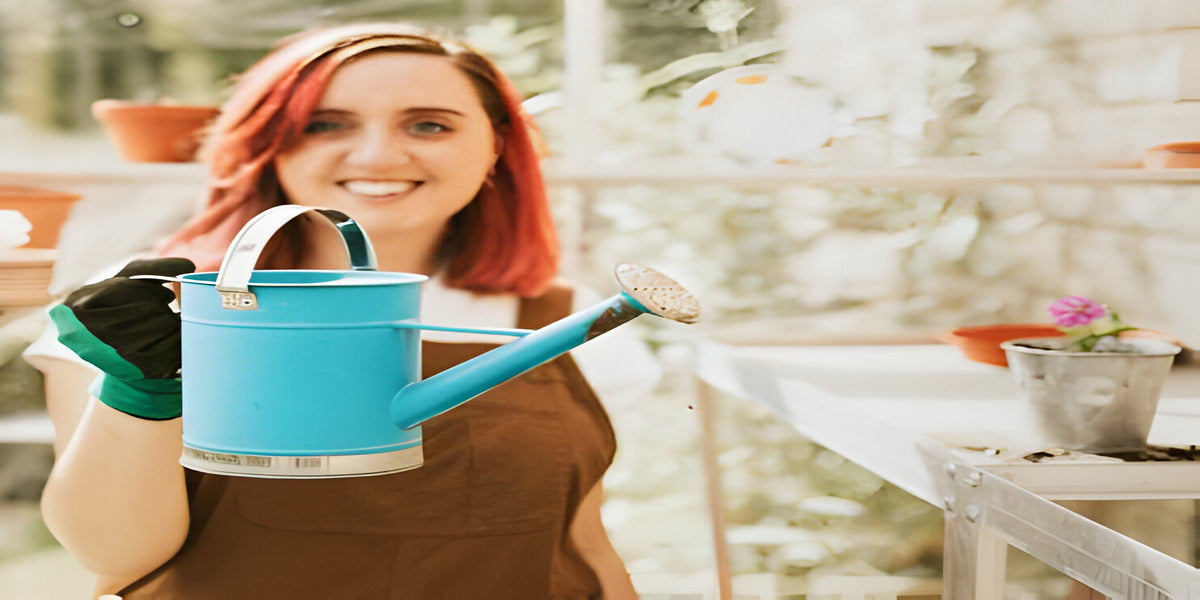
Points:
(552, 305)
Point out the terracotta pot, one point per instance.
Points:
(1176, 155)
(47, 210)
(148, 132)
(982, 343)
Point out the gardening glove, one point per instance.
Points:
(126, 328)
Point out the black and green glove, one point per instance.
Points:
(126, 328)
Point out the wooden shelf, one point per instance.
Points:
(933, 175)
(101, 172)
(673, 172)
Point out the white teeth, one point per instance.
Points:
(377, 188)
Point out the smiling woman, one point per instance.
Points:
(402, 158)
(424, 143)
(400, 107)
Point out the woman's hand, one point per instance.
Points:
(126, 328)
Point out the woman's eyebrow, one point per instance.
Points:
(435, 109)
(411, 109)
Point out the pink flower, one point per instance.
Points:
(1074, 311)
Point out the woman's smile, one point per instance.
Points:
(375, 190)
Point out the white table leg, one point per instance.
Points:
(714, 489)
(975, 559)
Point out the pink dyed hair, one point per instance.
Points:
(503, 241)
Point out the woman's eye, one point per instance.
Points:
(321, 126)
(427, 128)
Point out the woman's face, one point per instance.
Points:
(399, 141)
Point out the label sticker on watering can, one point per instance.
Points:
(239, 300)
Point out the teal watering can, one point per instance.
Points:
(305, 373)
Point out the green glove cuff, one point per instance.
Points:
(121, 385)
(75, 336)
(151, 399)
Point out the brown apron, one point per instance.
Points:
(485, 517)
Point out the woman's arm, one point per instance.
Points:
(116, 498)
(591, 540)
(66, 386)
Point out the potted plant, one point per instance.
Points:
(153, 131)
(1091, 389)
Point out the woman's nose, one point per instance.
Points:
(378, 148)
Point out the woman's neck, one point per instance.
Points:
(407, 252)
(398, 251)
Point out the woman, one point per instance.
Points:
(423, 143)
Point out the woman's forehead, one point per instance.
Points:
(401, 77)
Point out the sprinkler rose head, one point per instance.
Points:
(658, 293)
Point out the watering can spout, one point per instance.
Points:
(644, 291)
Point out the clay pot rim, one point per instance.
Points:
(981, 343)
(990, 333)
(36, 192)
(110, 107)
(1178, 148)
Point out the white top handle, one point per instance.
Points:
(233, 279)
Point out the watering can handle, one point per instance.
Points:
(234, 277)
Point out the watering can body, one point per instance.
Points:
(302, 374)
(309, 374)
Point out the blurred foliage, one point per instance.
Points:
(651, 33)
(849, 513)
(58, 56)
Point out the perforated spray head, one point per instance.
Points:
(658, 293)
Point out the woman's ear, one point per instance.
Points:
(498, 142)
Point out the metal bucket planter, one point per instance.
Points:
(1091, 401)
